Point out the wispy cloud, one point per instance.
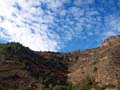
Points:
(25, 23)
(51, 24)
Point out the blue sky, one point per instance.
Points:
(59, 25)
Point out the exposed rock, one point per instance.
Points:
(110, 41)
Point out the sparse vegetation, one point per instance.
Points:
(118, 85)
(1, 86)
(95, 69)
(61, 87)
(53, 70)
(22, 87)
(100, 87)
(85, 84)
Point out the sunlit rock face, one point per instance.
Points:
(110, 41)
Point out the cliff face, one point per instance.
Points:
(28, 70)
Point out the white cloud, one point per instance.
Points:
(19, 27)
(83, 2)
(77, 12)
(26, 22)
(112, 25)
(54, 4)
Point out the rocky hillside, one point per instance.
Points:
(92, 69)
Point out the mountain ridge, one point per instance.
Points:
(91, 69)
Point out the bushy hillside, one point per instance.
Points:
(92, 69)
(21, 66)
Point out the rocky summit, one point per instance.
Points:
(91, 69)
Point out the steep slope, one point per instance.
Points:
(28, 69)
(96, 68)
(101, 64)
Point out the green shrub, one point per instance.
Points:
(2, 87)
(22, 87)
(95, 69)
(118, 85)
(59, 87)
(100, 87)
(85, 84)
(47, 89)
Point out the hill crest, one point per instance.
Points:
(98, 67)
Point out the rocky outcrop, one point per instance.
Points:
(110, 41)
